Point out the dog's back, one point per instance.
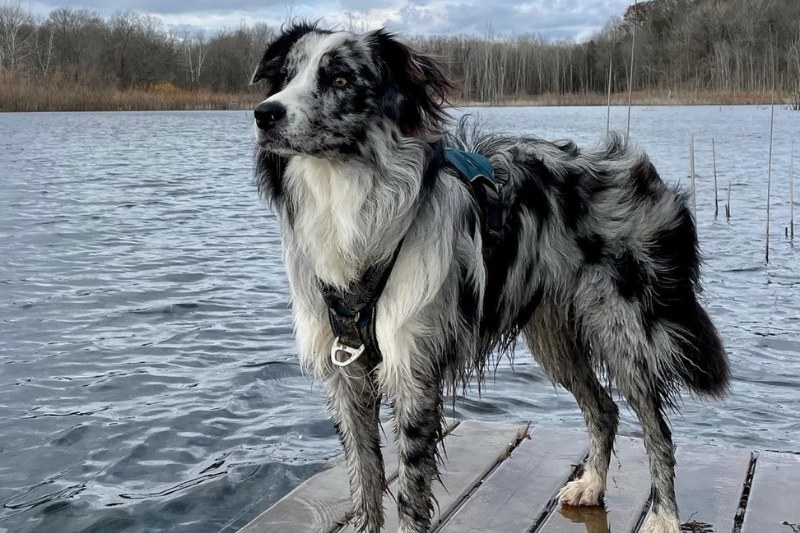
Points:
(599, 267)
(583, 219)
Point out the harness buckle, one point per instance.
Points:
(354, 353)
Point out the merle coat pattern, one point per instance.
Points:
(597, 266)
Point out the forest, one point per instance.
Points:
(682, 51)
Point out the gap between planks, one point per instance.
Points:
(713, 485)
(473, 450)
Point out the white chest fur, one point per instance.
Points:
(329, 222)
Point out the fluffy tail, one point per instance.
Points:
(703, 366)
(705, 370)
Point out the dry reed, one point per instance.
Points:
(769, 177)
(791, 194)
(716, 193)
(19, 93)
(630, 79)
(694, 181)
(608, 102)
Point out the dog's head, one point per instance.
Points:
(329, 92)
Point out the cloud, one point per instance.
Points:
(553, 19)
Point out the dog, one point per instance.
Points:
(595, 264)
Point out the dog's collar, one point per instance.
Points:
(351, 312)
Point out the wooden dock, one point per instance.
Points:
(500, 478)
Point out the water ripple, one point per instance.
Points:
(147, 371)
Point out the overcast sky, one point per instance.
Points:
(555, 19)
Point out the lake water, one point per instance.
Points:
(148, 380)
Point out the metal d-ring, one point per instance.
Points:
(354, 353)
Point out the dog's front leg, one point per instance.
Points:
(417, 404)
(354, 401)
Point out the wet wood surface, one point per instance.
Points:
(774, 502)
(501, 478)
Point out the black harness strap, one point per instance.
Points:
(476, 172)
(351, 312)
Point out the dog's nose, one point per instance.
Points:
(268, 113)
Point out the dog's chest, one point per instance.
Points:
(329, 227)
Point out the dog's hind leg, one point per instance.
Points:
(354, 401)
(554, 345)
(417, 404)
(640, 366)
(663, 517)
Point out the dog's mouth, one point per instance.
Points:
(275, 143)
(280, 144)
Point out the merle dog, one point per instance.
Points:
(596, 264)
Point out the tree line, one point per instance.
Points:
(681, 46)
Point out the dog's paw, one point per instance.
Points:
(661, 522)
(587, 490)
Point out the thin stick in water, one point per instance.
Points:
(630, 79)
(728, 205)
(716, 194)
(769, 171)
(771, 134)
(791, 194)
(608, 112)
(694, 183)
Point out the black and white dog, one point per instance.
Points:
(596, 265)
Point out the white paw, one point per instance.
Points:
(663, 522)
(587, 490)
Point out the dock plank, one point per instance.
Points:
(473, 449)
(322, 502)
(774, 503)
(523, 485)
(493, 488)
(627, 494)
(708, 484)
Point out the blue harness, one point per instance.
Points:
(474, 167)
(477, 173)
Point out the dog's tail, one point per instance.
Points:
(701, 361)
(705, 366)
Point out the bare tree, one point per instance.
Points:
(681, 46)
(44, 44)
(193, 53)
(15, 34)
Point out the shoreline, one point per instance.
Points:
(27, 100)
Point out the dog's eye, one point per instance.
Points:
(340, 82)
(284, 71)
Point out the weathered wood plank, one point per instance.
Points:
(774, 503)
(473, 449)
(627, 494)
(708, 484)
(321, 503)
(516, 495)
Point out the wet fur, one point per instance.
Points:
(597, 266)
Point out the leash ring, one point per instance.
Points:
(354, 353)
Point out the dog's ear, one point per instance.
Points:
(270, 68)
(415, 86)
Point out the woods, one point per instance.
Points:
(686, 51)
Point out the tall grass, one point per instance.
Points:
(60, 92)
(20, 93)
(637, 98)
